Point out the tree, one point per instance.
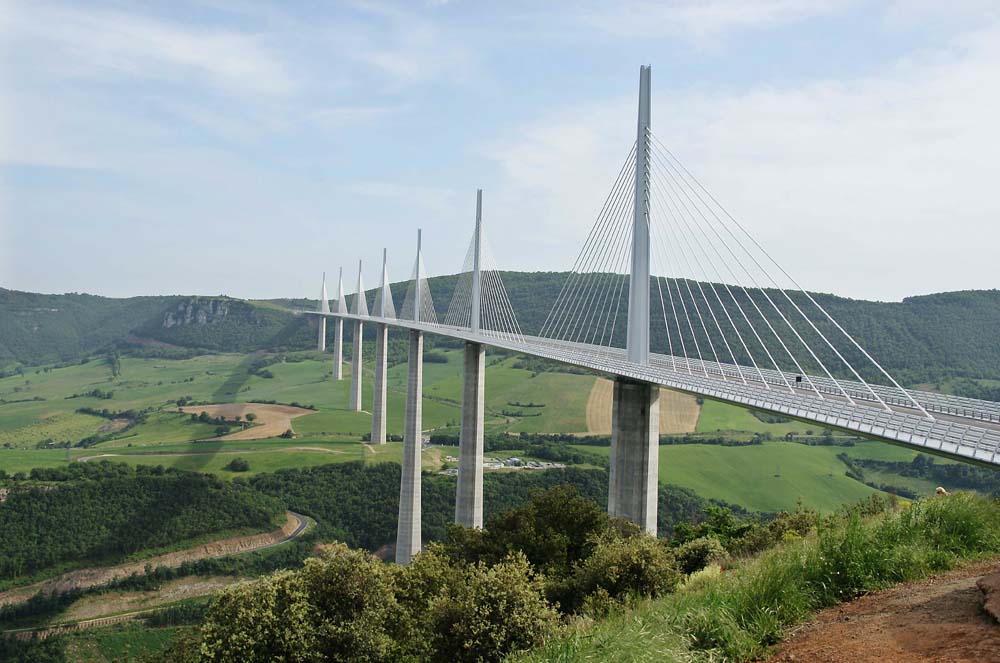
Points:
(251, 417)
(489, 612)
(238, 465)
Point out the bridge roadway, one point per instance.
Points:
(963, 428)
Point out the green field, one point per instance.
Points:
(772, 476)
(158, 383)
(122, 643)
(765, 477)
(718, 417)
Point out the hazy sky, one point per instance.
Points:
(242, 148)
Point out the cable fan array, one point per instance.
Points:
(592, 306)
(721, 306)
(496, 314)
(427, 312)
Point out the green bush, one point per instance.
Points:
(555, 529)
(266, 620)
(238, 465)
(699, 553)
(620, 568)
(489, 612)
(339, 607)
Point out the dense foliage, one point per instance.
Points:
(108, 511)
(358, 504)
(478, 597)
(50, 650)
(738, 614)
(962, 476)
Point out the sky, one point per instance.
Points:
(210, 147)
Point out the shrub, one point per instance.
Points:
(337, 608)
(698, 553)
(262, 621)
(353, 594)
(786, 526)
(489, 612)
(554, 529)
(620, 568)
(238, 465)
(435, 357)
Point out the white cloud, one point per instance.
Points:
(407, 47)
(435, 200)
(878, 186)
(109, 43)
(701, 19)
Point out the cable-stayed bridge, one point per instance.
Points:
(669, 290)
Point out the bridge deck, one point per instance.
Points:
(962, 428)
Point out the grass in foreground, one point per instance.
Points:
(739, 614)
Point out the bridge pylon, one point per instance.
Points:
(338, 330)
(383, 309)
(408, 530)
(324, 307)
(469, 491)
(633, 483)
(637, 343)
(360, 309)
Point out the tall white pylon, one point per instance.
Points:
(384, 306)
(360, 303)
(361, 309)
(338, 330)
(637, 343)
(417, 281)
(341, 297)
(324, 307)
(324, 301)
(476, 260)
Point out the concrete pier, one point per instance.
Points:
(469, 495)
(408, 533)
(321, 342)
(338, 349)
(635, 437)
(378, 399)
(356, 368)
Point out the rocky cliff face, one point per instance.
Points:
(197, 312)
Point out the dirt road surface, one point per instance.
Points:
(295, 525)
(272, 420)
(937, 620)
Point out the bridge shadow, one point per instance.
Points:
(206, 452)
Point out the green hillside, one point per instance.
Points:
(930, 340)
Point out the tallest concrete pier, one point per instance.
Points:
(469, 494)
(633, 486)
(635, 453)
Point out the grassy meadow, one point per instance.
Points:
(42, 406)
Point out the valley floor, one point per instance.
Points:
(936, 619)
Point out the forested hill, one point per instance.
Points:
(921, 339)
(47, 329)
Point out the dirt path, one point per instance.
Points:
(931, 621)
(294, 526)
(272, 420)
(678, 412)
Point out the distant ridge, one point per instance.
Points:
(922, 339)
